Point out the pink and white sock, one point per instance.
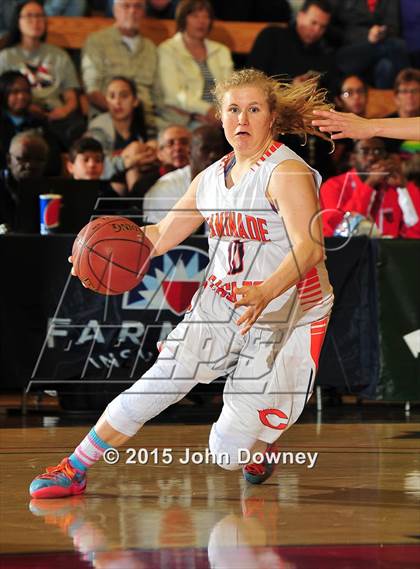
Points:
(89, 451)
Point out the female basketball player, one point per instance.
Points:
(261, 317)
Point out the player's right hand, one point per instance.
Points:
(255, 298)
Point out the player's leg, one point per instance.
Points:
(232, 436)
(232, 447)
(203, 351)
(288, 391)
(165, 383)
(263, 405)
(227, 443)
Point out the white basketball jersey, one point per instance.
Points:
(248, 240)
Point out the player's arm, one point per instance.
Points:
(401, 128)
(292, 190)
(349, 125)
(183, 219)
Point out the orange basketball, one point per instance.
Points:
(111, 255)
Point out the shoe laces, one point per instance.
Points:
(255, 469)
(63, 468)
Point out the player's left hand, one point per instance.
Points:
(256, 299)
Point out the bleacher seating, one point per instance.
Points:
(71, 33)
(380, 102)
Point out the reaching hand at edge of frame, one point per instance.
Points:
(349, 125)
(343, 125)
(256, 298)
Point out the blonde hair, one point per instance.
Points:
(292, 105)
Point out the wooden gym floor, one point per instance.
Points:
(358, 506)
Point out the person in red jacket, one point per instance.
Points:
(375, 188)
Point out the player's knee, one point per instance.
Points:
(226, 448)
(160, 387)
(225, 454)
(119, 419)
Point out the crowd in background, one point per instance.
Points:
(142, 116)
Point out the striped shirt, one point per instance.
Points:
(208, 81)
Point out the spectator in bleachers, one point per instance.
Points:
(411, 172)
(351, 97)
(293, 52)
(297, 49)
(163, 9)
(65, 7)
(15, 99)
(407, 93)
(207, 146)
(377, 189)
(407, 100)
(26, 160)
(49, 70)
(123, 125)
(15, 117)
(189, 64)
(124, 122)
(86, 159)
(121, 50)
(173, 151)
(252, 10)
(368, 32)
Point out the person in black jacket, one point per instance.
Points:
(26, 160)
(297, 49)
(368, 31)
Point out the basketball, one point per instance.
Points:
(111, 255)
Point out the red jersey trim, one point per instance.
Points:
(275, 146)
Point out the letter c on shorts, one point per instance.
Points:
(282, 420)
